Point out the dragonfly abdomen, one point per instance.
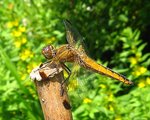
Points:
(90, 64)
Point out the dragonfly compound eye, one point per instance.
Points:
(48, 52)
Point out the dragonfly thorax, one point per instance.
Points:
(49, 51)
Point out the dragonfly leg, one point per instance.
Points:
(44, 63)
(67, 79)
(41, 65)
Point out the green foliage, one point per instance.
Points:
(107, 100)
(113, 32)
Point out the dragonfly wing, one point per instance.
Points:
(73, 36)
(80, 83)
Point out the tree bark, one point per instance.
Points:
(54, 106)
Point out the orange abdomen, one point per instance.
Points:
(90, 64)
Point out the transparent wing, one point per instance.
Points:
(79, 83)
(73, 36)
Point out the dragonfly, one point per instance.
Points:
(74, 52)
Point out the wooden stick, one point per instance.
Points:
(54, 106)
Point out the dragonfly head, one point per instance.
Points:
(49, 52)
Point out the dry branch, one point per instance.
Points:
(54, 106)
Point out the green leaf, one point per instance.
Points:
(144, 57)
(141, 47)
(123, 18)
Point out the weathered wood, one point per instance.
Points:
(54, 106)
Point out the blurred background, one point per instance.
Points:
(117, 35)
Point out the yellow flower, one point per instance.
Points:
(12, 24)
(111, 97)
(133, 60)
(87, 100)
(22, 29)
(136, 73)
(148, 80)
(23, 76)
(31, 66)
(142, 70)
(23, 40)
(16, 33)
(26, 54)
(111, 108)
(102, 86)
(139, 71)
(17, 44)
(9, 25)
(141, 85)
